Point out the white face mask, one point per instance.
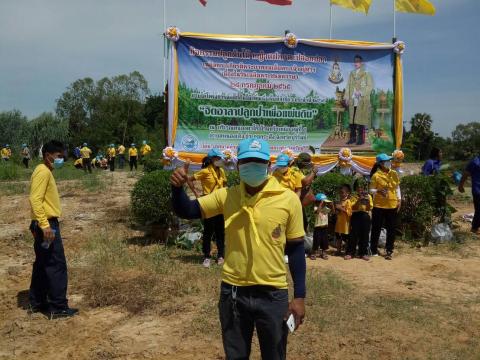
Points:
(387, 164)
(282, 169)
(218, 163)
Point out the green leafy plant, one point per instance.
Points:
(233, 178)
(151, 199)
(150, 165)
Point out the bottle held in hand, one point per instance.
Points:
(46, 243)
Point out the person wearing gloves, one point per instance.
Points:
(212, 177)
(262, 220)
(387, 199)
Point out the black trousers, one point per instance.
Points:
(359, 233)
(214, 225)
(49, 274)
(260, 307)
(379, 217)
(133, 162)
(320, 238)
(476, 216)
(121, 161)
(87, 164)
(111, 162)
(25, 162)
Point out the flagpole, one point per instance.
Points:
(331, 22)
(164, 43)
(246, 18)
(394, 22)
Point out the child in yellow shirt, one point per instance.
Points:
(343, 209)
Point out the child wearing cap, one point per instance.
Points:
(212, 177)
(362, 204)
(344, 212)
(322, 209)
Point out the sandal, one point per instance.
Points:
(365, 257)
(313, 257)
(347, 257)
(324, 256)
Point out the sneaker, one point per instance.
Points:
(389, 256)
(347, 257)
(32, 309)
(63, 313)
(206, 263)
(365, 257)
(220, 261)
(376, 254)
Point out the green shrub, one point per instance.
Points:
(424, 202)
(150, 165)
(329, 183)
(9, 170)
(151, 199)
(233, 178)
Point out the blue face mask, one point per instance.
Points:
(253, 174)
(58, 163)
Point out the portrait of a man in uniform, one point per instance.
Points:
(357, 97)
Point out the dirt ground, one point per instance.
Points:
(447, 277)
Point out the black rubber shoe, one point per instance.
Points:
(32, 309)
(64, 313)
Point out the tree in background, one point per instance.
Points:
(44, 128)
(466, 141)
(13, 128)
(419, 140)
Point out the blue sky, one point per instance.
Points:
(47, 44)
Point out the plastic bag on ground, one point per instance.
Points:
(441, 233)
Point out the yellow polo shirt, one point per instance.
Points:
(146, 149)
(121, 150)
(44, 199)
(385, 180)
(256, 230)
(358, 206)
(6, 153)
(292, 179)
(85, 152)
(211, 179)
(342, 226)
(111, 152)
(132, 152)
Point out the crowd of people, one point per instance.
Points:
(256, 224)
(113, 156)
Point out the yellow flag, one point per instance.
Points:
(415, 6)
(356, 5)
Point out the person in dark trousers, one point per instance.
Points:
(323, 207)
(111, 152)
(362, 204)
(263, 219)
(133, 156)
(86, 154)
(432, 165)
(473, 170)
(25, 155)
(385, 188)
(212, 177)
(121, 156)
(48, 289)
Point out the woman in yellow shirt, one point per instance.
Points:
(385, 188)
(133, 156)
(212, 177)
(344, 212)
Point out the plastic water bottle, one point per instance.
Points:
(46, 243)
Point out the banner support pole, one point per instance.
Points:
(331, 21)
(165, 47)
(394, 21)
(246, 18)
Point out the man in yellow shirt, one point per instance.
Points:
(262, 220)
(132, 156)
(111, 152)
(6, 152)
(85, 154)
(48, 287)
(121, 156)
(387, 198)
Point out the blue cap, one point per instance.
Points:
(132, 144)
(215, 152)
(84, 144)
(253, 148)
(144, 142)
(6, 145)
(383, 157)
(282, 160)
(320, 197)
(112, 145)
(24, 145)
